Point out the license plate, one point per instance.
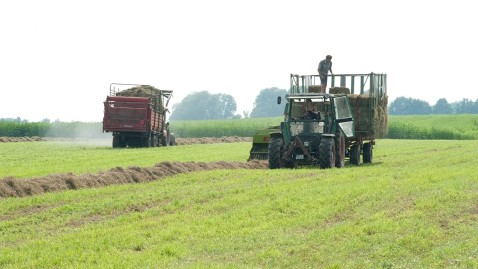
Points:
(299, 157)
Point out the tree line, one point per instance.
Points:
(206, 106)
(410, 106)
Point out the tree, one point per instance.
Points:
(204, 106)
(442, 107)
(409, 106)
(466, 106)
(228, 106)
(266, 103)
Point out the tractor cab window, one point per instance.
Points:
(342, 108)
(296, 108)
(299, 106)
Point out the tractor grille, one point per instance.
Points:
(306, 127)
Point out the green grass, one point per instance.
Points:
(414, 207)
(219, 128)
(28, 159)
(458, 127)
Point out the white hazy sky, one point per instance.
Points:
(58, 58)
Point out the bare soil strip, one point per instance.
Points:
(179, 141)
(13, 187)
(6, 139)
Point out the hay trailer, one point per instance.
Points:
(350, 121)
(136, 116)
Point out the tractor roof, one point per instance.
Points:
(312, 96)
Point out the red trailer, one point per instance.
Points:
(137, 121)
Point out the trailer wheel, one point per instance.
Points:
(367, 152)
(339, 149)
(327, 152)
(164, 142)
(172, 139)
(154, 140)
(122, 142)
(275, 149)
(355, 154)
(147, 141)
(116, 141)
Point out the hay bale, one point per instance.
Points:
(339, 90)
(370, 115)
(315, 88)
(140, 91)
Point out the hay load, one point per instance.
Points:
(315, 88)
(140, 91)
(370, 115)
(144, 91)
(339, 90)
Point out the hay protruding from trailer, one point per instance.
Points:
(370, 115)
(339, 90)
(315, 88)
(140, 91)
(145, 91)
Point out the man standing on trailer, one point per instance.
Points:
(324, 67)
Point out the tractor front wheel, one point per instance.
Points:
(327, 153)
(275, 149)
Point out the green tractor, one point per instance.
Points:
(344, 124)
(321, 139)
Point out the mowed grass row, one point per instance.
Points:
(414, 207)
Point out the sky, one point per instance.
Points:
(58, 58)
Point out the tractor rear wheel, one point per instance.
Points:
(355, 154)
(275, 149)
(340, 149)
(327, 152)
(367, 152)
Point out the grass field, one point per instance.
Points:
(416, 206)
(29, 159)
(464, 126)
